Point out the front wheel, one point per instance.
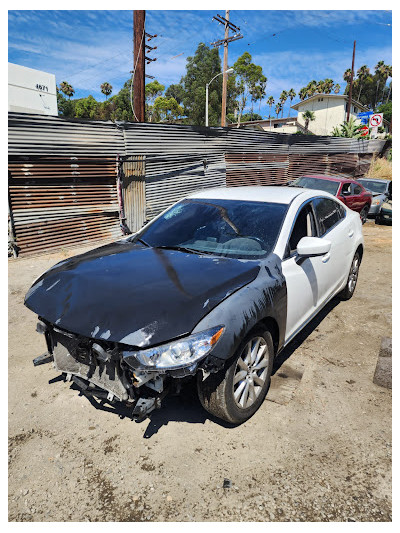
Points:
(235, 393)
(348, 291)
(364, 214)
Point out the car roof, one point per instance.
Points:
(257, 193)
(339, 179)
(378, 180)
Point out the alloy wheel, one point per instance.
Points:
(352, 281)
(251, 372)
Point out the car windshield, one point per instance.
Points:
(317, 183)
(230, 228)
(374, 186)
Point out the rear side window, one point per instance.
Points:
(327, 214)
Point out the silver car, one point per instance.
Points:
(381, 191)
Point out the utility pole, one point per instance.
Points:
(225, 75)
(138, 65)
(351, 83)
(225, 41)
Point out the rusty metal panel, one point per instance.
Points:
(134, 192)
(56, 204)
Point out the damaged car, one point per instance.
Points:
(210, 291)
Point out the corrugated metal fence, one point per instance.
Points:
(62, 173)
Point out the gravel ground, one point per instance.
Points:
(325, 455)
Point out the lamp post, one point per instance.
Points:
(229, 71)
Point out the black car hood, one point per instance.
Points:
(125, 292)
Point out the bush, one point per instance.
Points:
(380, 168)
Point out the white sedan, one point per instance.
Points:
(214, 287)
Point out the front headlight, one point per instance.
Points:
(376, 202)
(177, 354)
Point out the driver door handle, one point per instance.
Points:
(326, 257)
(351, 233)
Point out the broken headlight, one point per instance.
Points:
(177, 354)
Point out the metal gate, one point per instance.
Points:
(134, 192)
(59, 202)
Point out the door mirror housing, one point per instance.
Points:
(313, 246)
(345, 193)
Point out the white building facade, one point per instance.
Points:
(31, 91)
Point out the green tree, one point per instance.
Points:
(86, 107)
(303, 93)
(248, 117)
(249, 76)
(278, 109)
(308, 117)
(336, 89)
(386, 109)
(66, 108)
(106, 89)
(152, 90)
(175, 91)
(200, 69)
(167, 109)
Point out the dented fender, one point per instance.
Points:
(263, 298)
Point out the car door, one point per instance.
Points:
(301, 276)
(358, 197)
(347, 195)
(335, 226)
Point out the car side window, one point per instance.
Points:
(346, 188)
(304, 226)
(327, 214)
(356, 189)
(341, 210)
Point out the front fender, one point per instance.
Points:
(264, 297)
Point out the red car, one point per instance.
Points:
(349, 191)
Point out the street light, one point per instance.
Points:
(229, 71)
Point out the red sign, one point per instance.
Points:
(364, 131)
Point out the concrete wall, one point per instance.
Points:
(329, 112)
(31, 91)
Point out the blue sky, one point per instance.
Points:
(87, 48)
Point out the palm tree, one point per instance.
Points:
(362, 74)
(328, 85)
(320, 86)
(283, 97)
(270, 102)
(347, 75)
(278, 109)
(106, 89)
(67, 89)
(303, 93)
(311, 88)
(336, 89)
(291, 94)
(308, 117)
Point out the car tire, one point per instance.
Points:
(364, 214)
(223, 394)
(351, 282)
(378, 219)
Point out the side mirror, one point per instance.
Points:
(313, 246)
(345, 193)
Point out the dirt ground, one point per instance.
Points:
(324, 455)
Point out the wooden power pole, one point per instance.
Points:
(351, 83)
(225, 75)
(138, 65)
(225, 41)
